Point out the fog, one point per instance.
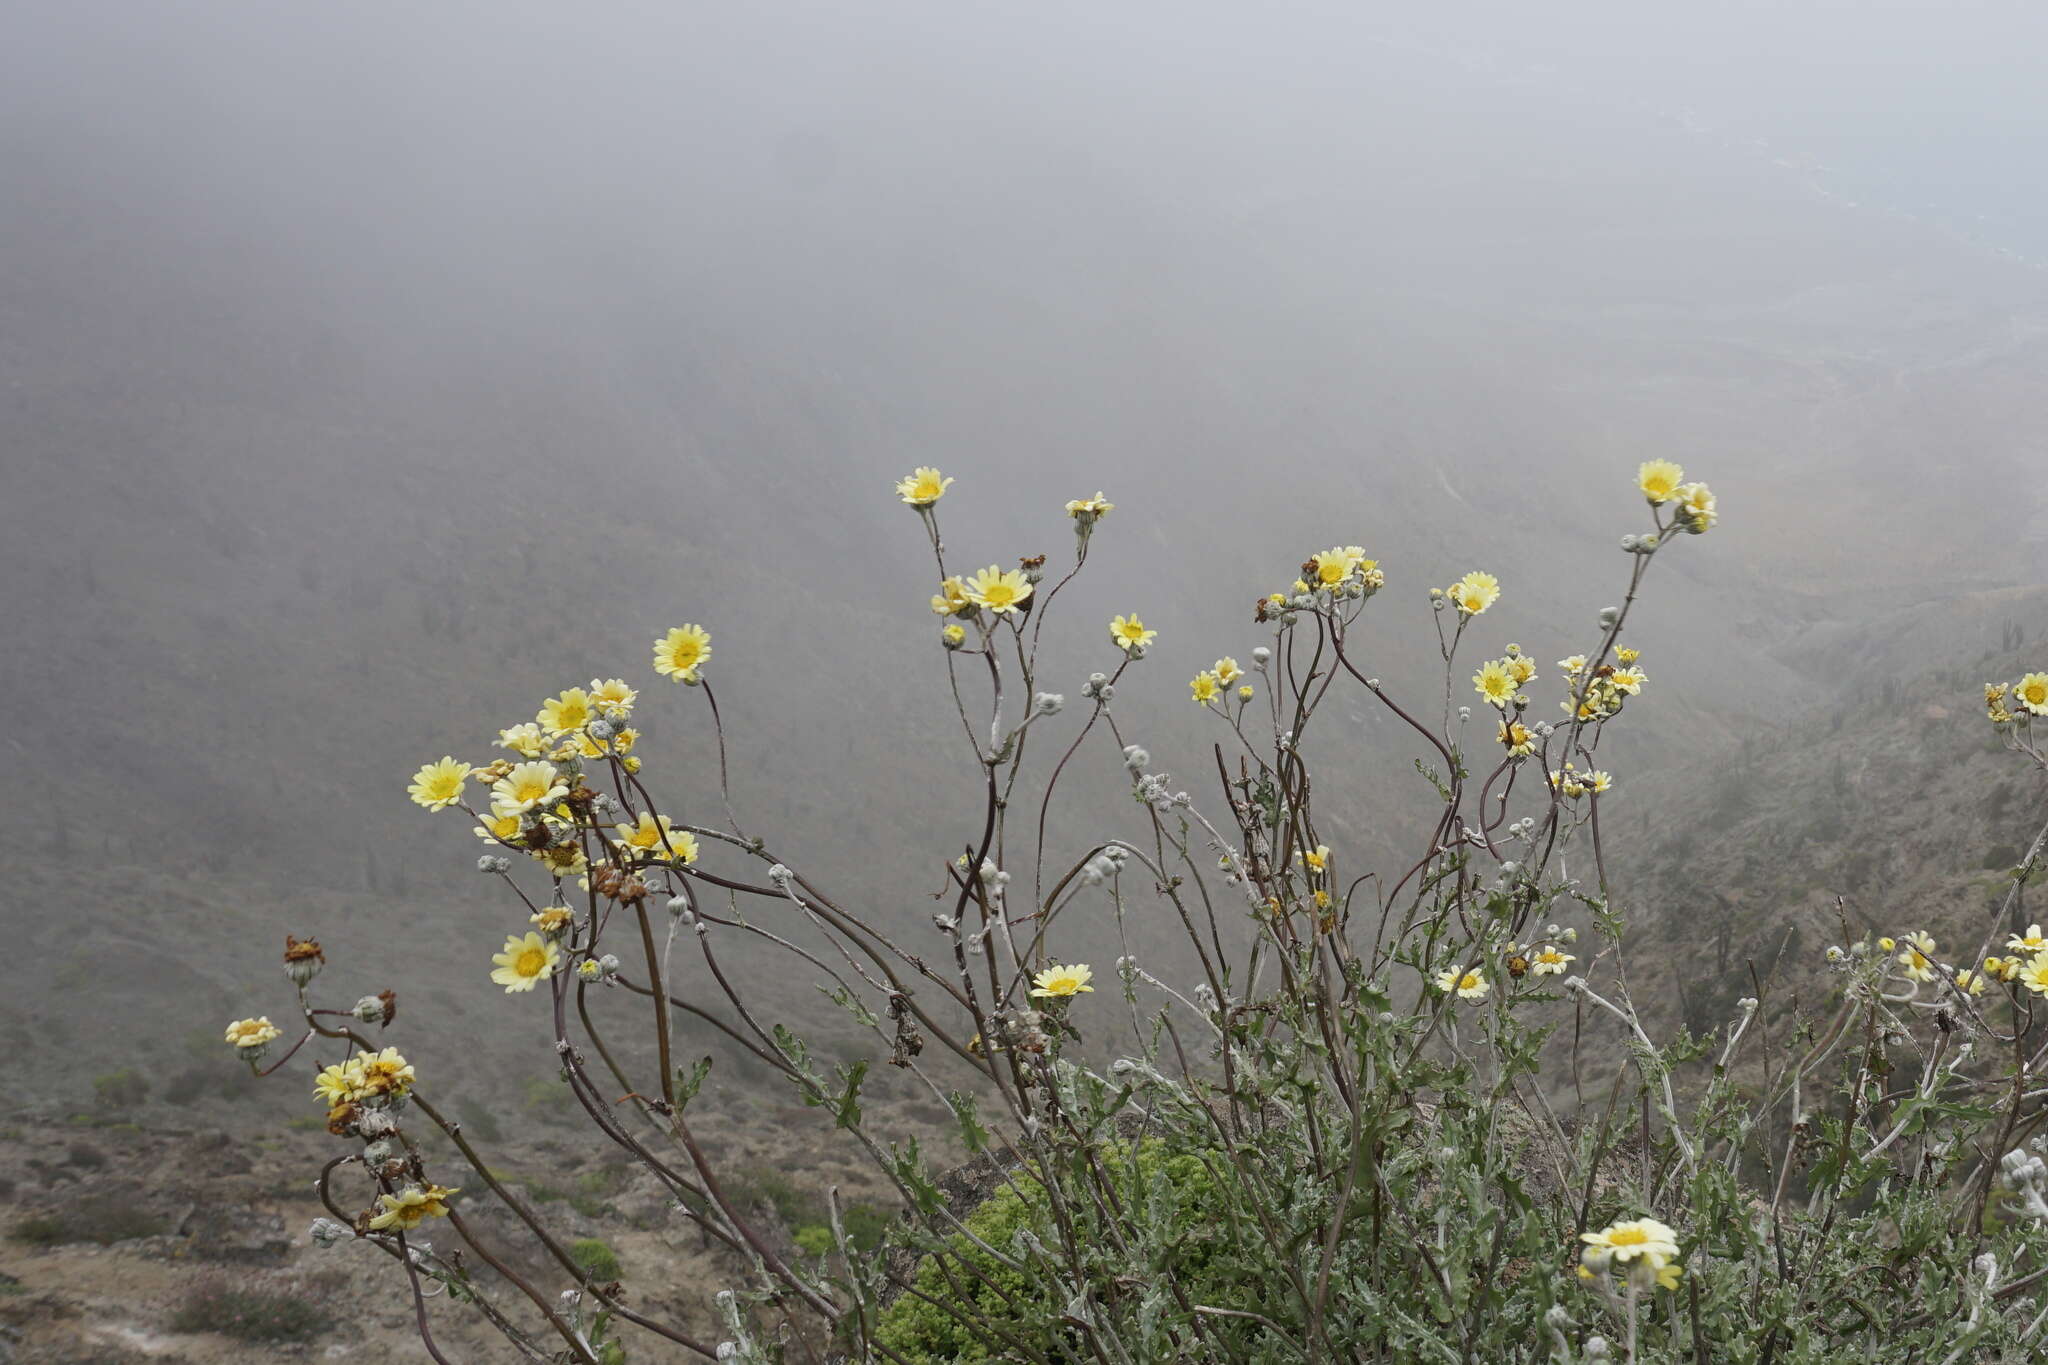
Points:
(375, 370)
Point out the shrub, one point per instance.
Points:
(120, 1090)
(41, 1230)
(250, 1313)
(101, 1218)
(1340, 1117)
(595, 1258)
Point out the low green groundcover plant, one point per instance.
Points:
(251, 1313)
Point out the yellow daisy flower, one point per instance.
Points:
(525, 962)
(653, 836)
(2034, 976)
(1469, 985)
(1334, 565)
(950, 599)
(439, 785)
(1495, 682)
(524, 739)
(1204, 687)
(1227, 671)
(1549, 961)
(1516, 738)
(612, 697)
(998, 591)
(410, 1206)
(567, 713)
(1696, 507)
(2031, 691)
(1917, 960)
(681, 652)
(1659, 480)
(1129, 632)
(1624, 1242)
(1090, 509)
(252, 1033)
(2031, 942)
(525, 787)
(1474, 593)
(340, 1082)
(1059, 982)
(922, 487)
(383, 1073)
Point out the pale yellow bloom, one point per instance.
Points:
(567, 713)
(525, 962)
(1917, 961)
(1334, 565)
(252, 1033)
(998, 591)
(525, 787)
(1629, 680)
(1469, 985)
(654, 837)
(1549, 961)
(439, 785)
(1573, 665)
(339, 1083)
(612, 697)
(1697, 509)
(1495, 682)
(1659, 479)
(1637, 1237)
(1090, 509)
(681, 652)
(410, 1206)
(524, 739)
(1059, 982)
(2031, 942)
(1523, 667)
(1317, 857)
(953, 636)
(950, 599)
(563, 860)
(383, 1073)
(2034, 976)
(1204, 687)
(2031, 691)
(922, 487)
(1474, 593)
(552, 921)
(1129, 632)
(502, 829)
(1516, 738)
(1227, 671)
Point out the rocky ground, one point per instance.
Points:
(119, 1234)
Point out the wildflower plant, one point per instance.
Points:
(1342, 1131)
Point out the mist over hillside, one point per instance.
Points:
(361, 392)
